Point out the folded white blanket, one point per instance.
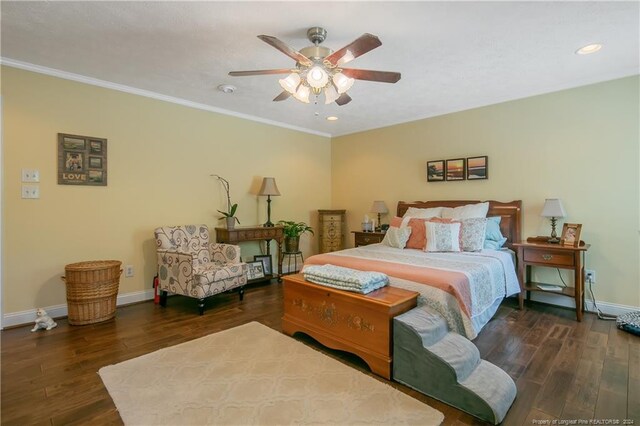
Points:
(346, 287)
(345, 278)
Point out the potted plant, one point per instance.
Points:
(292, 232)
(230, 214)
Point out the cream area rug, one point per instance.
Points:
(253, 375)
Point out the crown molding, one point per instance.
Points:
(149, 94)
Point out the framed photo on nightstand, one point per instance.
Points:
(571, 234)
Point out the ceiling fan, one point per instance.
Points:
(318, 69)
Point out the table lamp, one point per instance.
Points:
(553, 209)
(381, 208)
(269, 188)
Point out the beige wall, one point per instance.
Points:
(160, 158)
(580, 145)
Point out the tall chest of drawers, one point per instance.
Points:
(331, 230)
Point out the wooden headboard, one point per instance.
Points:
(510, 224)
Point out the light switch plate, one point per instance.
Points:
(30, 175)
(30, 191)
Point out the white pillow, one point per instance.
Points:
(397, 237)
(442, 236)
(470, 211)
(415, 212)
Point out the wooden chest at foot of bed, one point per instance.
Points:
(353, 322)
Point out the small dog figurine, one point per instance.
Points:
(43, 321)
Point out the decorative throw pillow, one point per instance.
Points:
(423, 213)
(442, 236)
(417, 239)
(494, 240)
(468, 211)
(472, 234)
(397, 237)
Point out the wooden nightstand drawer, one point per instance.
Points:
(366, 238)
(553, 257)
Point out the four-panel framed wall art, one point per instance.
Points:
(470, 168)
(82, 160)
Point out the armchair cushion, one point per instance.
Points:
(214, 271)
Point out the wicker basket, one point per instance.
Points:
(92, 289)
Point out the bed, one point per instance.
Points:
(465, 288)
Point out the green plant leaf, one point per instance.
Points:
(294, 229)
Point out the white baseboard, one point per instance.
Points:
(567, 302)
(59, 311)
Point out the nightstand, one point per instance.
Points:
(365, 238)
(537, 252)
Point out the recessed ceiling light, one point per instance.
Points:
(588, 49)
(332, 118)
(227, 88)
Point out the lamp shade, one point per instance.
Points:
(553, 208)
(342, 82)
(379, 207)
(331, 94)
(302, 94)
(317, 77)
(269, 187)
(290, 84)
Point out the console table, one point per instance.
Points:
(254, 233)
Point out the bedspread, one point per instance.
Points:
(465, 288)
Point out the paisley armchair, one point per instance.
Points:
(190, 265)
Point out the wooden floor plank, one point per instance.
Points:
(557, 387)
(50, 378)
(612, 392)
(522, 406)
(633, 398)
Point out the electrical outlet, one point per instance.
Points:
(128, 271)
(30, 191)
(590, 276)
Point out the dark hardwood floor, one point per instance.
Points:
(563, 369)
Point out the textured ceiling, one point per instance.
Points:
(452, 55)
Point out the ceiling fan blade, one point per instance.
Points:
(343, 99)
(286, 49)
(259, 72)
(282, 96)
(360, 46)
(370, 75)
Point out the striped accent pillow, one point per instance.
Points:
(442, 236)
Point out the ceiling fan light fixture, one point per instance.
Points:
(342, 82)
(330, 94)
(302, 94)
(317, 77)
(290, 83)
